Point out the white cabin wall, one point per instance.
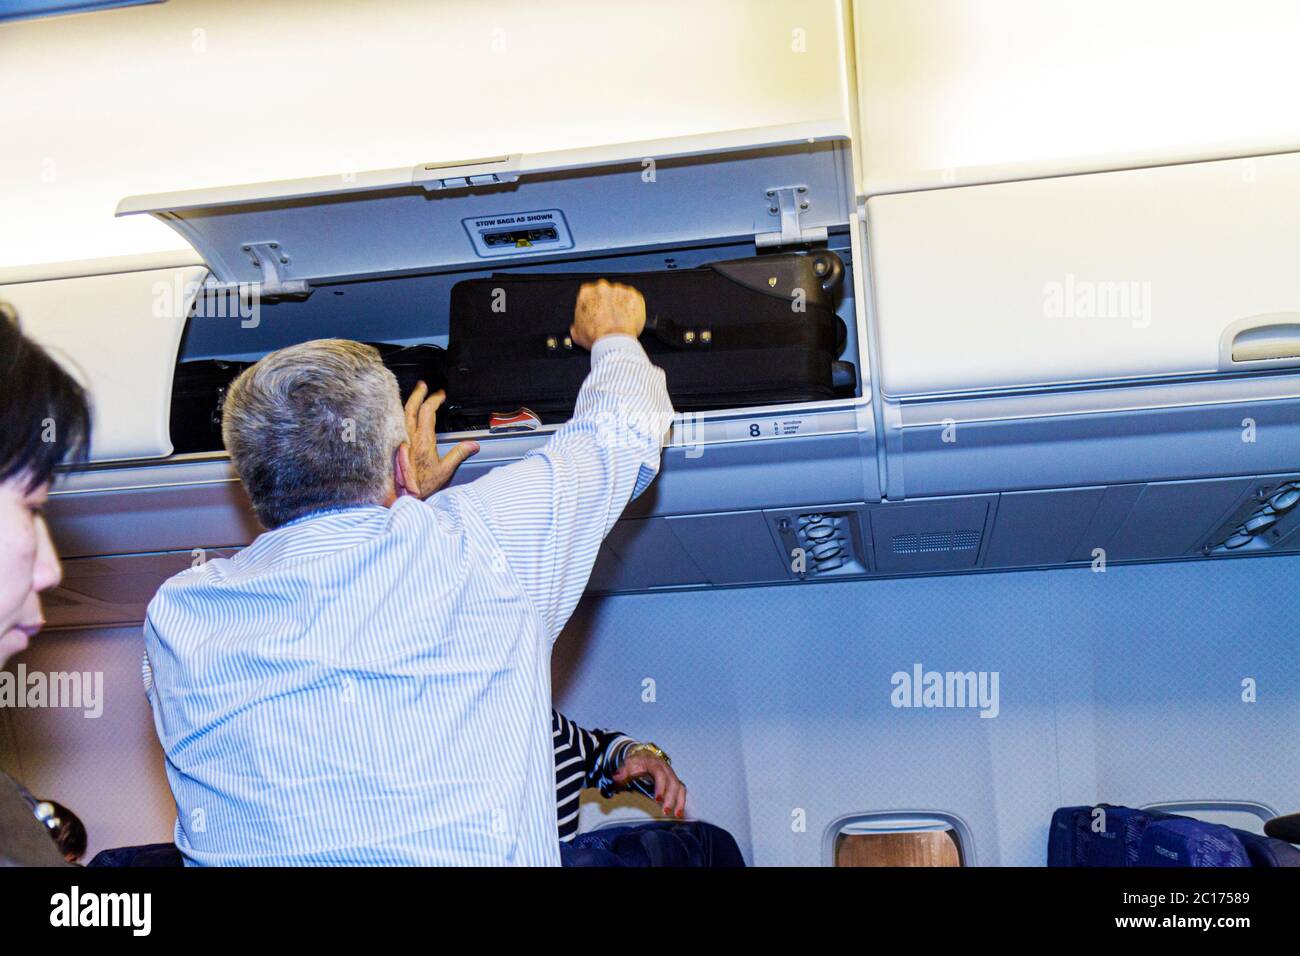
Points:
(1122, 687)
(194, 93)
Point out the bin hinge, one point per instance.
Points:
(271, 258)
(789, 202)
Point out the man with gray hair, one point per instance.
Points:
(368, 682)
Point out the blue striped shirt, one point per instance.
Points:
(372, 685)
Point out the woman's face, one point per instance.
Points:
(28, 564)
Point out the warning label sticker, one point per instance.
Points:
(519, 233)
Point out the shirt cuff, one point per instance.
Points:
(616, 342)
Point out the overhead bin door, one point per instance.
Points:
(119, 334)
(956, 92)
(779, 185)
(1162, 272)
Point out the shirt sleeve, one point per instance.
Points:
(602, 755)
(550, 511)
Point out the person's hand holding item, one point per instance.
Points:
(668, 787)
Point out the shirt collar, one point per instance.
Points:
(295, 534)
(331, 510)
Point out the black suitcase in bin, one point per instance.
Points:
(727, 334)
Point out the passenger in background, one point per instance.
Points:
(44, 418)
(65, 828)
(609, 761)
(368, 682)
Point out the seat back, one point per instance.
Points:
(1182, 841)
(1266, 851)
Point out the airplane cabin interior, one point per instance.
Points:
(976, 530)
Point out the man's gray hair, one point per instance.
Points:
(314, 426)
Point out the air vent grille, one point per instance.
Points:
(930, 542)
(1255, 527)
(823, 544)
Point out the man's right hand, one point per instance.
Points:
(606, 308)
(427, 472)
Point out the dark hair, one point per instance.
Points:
(44, 411)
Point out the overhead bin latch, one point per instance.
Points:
(1271, 340)
(467, 173)
(789, 202)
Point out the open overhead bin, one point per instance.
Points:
(375, 258)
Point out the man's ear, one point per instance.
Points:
(404, 472)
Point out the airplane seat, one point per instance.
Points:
(691, 843)
(1265, 851)
(1075, 841)
(1136, 823)
(1132, 837)
(1061, 842)
(1184, 842)
(146, 855)
(1103, 846)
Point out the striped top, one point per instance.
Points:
(370, 685)
(584, 758)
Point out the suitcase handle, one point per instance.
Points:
(830, 269)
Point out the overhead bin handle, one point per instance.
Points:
(1270, 340)
(468, 173)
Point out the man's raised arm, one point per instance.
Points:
(550, 511)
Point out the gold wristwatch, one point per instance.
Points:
(648, 748)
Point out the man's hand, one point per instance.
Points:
(428, 473)
(606, 308)
(669, 789)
